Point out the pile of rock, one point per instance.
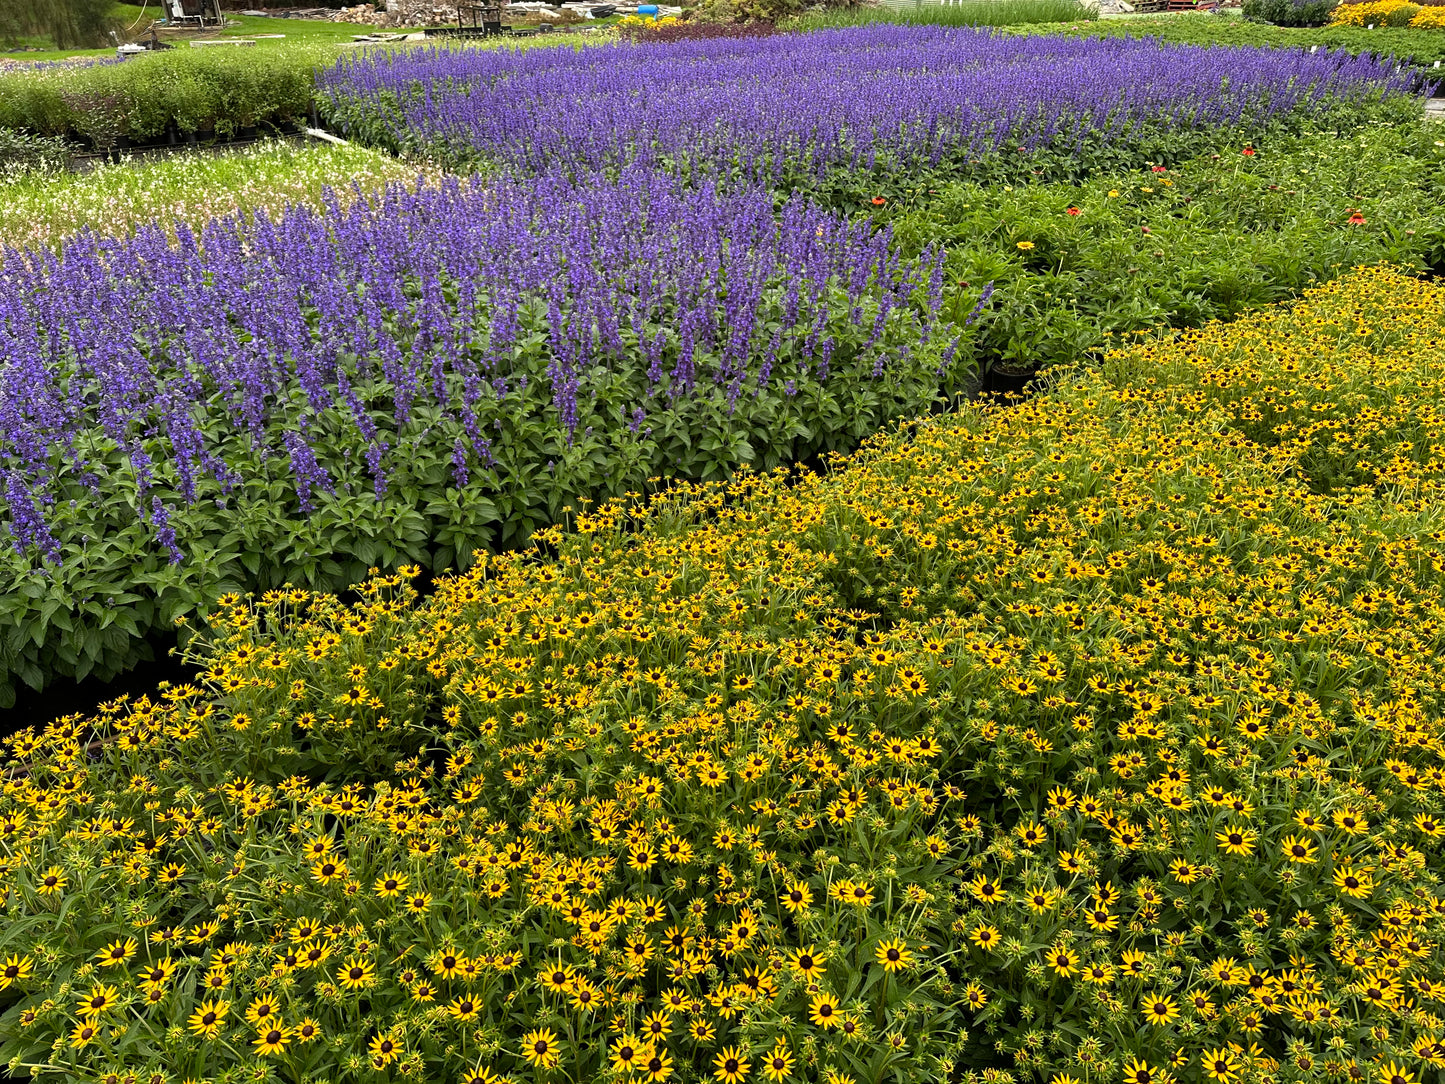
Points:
(399, 13)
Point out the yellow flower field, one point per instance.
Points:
(1389, 13)
(1092, 739)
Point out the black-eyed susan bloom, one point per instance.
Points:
(798, 897)
(627, 1053)
(356, 973)
(51, 882)
(986, 937)
(1237, 841)
(1353, 881)
(464, 1008)
(118, 952)
(1063, 960)
(1298, 849)
(894, 955)
(98, 1001)
(1392, 1072)
(824, 1011)
(262, 1010)
(392, 884)
(271, 1040)
(730, 1066)
(384, 1049)
(1138, 1071)
(208, 1018)
(777, 1064)
(541, 1048)
(1160, 1011)
(657, 1067)
(807, 962)
(16, 969)
(1220, 1065)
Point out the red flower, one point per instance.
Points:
(1073, 211)
(1144, 228)
(1356, 219)
(1160, 169)
(1249, 152)
(879, 201)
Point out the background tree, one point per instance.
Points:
(69, 24)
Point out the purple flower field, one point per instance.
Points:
(794, 105)
(460, 318)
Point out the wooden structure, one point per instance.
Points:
(475, 19)
(193, 13)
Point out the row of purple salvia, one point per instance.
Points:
(422, 298)
(855, 98)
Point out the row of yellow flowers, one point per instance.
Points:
(1093, 739)
(1390, 13)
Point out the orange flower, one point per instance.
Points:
(1356, 219)
(879, 201)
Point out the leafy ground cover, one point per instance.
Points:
(1423, 47)
(119, 199)
(834, 110)
(1088, 739)
(416, 376)
(1180, 243)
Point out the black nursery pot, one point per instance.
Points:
(1008, 382)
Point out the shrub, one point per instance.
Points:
(417, 376)
(1081, 738)
(1289, 12)
(195, 90)
(22, 155)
